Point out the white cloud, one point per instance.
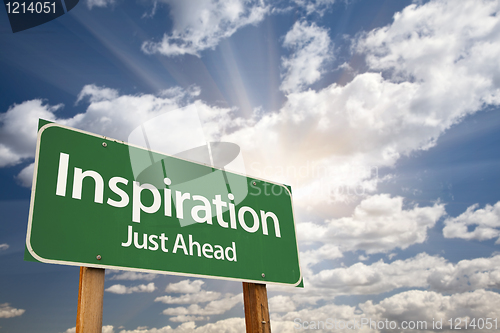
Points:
(378, 224)
(422, 271)
(108, 114)
(309, 258)
(18, 130)
(281, 303)
(315, 6)
(197, 297)
(438, 64)
(126, 275)
(413, 305)
(105, 329)
(486, 222)
(108, 329)
(99, 3)
(186, 327)
(25, 177)
(378, 277)
(466, 275)
(435, 64)
(121, 289)
(97, 94)
(183, 318)
(202, 25)
(230, 325)
(185, 287)
(216, 307)
(364, 258)
(311, 49)
(6, 311)
(416, 305)
(192, 295)
(4, 246)
(440, 42)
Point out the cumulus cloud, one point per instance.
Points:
(105, 329)
(121, 289)
(315, 6)
(198, 297)
(4, 246)
(413, 305)
(184, 318)
(378, 277)
(6, 311)
(132, 276)
(202, 25)
(108, 113)
(216, 307)
(99, 3)
(435, 64)
(18, 130)
(378, 224)
(25, 177)
(416, 305)
(466, 275)
(311, 49)
(192, 294)
(431, 67)
(97, 94)
(421, 271)
(185, 287)
(441, 42)
(310, 258)
(230, 325)
(281, 303)
(486, 223)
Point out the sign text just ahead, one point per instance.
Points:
(99, 202)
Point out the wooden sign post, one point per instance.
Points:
(256, 308)
(90, 298)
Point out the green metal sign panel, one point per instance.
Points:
(100, 202)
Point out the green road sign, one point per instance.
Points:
(100, 202)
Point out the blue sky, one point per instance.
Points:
(389, 108)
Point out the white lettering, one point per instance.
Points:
(62, 174)
(241, 219)
(218, 210)
(207, 248)
(263, 218)
(205, 207)
(152, 241)
(191, 243)
(129, 239)
(78, 181)
(179, 243)
(123, 195)
(231, 249)
(163, 239)
(219, 252)
(137, 205)
(179, 203)
(144, 241)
